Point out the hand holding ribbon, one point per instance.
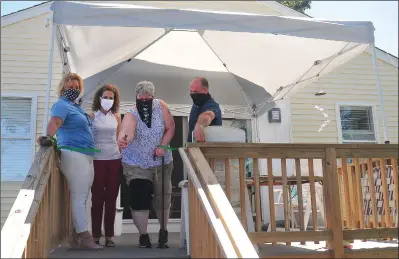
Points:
(49, 140)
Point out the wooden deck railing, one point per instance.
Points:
(366, 205)
(40, 219)
(331, 156)
(215, 230)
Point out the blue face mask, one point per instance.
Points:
(71, 94)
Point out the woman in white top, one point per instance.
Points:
(107, 163)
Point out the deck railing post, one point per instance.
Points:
(333, 215)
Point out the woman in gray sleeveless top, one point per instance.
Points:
(148, 125)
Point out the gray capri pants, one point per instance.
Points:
(145, 186)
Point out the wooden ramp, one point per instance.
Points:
(127, 247)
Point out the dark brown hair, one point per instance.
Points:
(96, 99)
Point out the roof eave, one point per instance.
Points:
(26, 13)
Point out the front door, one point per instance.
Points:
(177, 176)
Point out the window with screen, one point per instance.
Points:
(16, 138)
(357, 123)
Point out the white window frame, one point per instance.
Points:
(375, 121)
(33, 117)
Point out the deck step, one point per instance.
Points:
(127, 247)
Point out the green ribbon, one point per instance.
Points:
(58, 148)
(168, 147)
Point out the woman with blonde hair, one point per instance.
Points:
(73, 128)
(107, 164)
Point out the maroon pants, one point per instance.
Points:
(104, 191)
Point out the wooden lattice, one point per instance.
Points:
(367, 208)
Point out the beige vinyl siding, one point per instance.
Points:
(24, 66)
(9, 191)
(25, 49)
(353, 82)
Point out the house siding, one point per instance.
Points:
(24, 66)
(353, 82)
(25, 49)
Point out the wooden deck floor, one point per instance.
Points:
(127, 247)
(268, 250)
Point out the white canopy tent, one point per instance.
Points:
(251, 60)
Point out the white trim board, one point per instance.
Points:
(384, 56)
(33, 116)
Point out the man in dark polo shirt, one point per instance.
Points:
(204, 112)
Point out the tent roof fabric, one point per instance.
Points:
(240, 52)
(127, 15)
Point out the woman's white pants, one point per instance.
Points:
(79, 172)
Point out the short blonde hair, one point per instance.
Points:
(68, 77)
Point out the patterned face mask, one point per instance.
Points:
(71, 94)
(144, 107)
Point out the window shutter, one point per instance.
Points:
(16, 143)
(357, 123)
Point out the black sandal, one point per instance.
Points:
(109, 242)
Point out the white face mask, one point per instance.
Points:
(106, 104)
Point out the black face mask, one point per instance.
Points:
(144, 107)
(199, 99)
(71, 94)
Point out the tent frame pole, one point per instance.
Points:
(255, 130)
(380, 94)
(247, 100)
(49, 77)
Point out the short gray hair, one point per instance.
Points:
(145, 87)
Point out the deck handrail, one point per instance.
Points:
(330, 201)
(40, 218)
(299, 151)
(228, 235)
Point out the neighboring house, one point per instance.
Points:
(351, 101)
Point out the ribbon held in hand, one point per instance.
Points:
(168, 147)
(77, 149)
